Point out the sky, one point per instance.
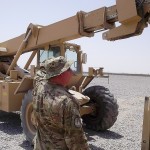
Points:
(130, 55)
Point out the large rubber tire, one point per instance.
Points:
(106, 109)
(26, 116)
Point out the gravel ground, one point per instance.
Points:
(130, 91)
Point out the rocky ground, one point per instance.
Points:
(130, 92)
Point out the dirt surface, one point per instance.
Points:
(130, 92)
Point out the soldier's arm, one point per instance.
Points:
(74, 135)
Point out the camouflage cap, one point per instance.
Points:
(56, 66)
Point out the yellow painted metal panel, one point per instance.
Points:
(126, 11)
(8, 101)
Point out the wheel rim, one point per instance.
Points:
(30, 119)
(96, 112)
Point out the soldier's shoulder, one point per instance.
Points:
(68, 100)
(62, 93)
(60, 90)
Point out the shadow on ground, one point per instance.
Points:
(26, 145)
(10, 123)
(103, 134)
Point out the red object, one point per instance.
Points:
(62, 79)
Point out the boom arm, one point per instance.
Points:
(132, 22)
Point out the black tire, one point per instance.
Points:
(106, 109)
(26, 116)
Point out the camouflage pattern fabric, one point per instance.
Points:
(56, 66)
(59, 125)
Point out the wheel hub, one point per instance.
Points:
(30, 118)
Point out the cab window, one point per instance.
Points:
(72, 55)
(52, 52)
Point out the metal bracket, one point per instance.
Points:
(81, 25)
(113, 16)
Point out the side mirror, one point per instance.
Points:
(84, 58)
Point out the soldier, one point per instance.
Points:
(59, 125)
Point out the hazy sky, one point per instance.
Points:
(130, 55)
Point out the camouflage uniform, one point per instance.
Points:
(57, 113)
